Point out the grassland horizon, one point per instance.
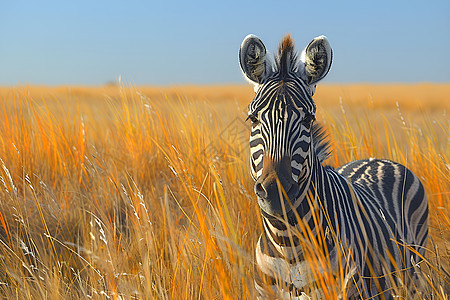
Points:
(143, 192)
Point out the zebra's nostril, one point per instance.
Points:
(259, 190)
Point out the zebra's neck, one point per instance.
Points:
(317, 197)
(281, 252)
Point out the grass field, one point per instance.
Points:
(145, 192)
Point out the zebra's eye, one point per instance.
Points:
(253, 118)
(309, 119)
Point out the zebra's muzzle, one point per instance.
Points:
(275, 188)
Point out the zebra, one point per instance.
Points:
(372, 214)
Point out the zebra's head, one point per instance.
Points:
(282, 115)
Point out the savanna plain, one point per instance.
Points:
(135, 192)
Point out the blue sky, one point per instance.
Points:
(196, 42)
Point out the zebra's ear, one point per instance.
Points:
(317, 58)
(252, 58)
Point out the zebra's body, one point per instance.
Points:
(372, 215)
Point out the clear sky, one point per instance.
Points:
(196, 42)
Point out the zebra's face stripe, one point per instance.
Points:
(280, 140)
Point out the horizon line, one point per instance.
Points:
(129, 84)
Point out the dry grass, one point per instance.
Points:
(139, 192)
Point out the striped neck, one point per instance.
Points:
(309, 209)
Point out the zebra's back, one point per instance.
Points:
(402, 199)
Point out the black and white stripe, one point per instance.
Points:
(372, 212)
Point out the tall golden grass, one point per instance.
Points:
(144, 192)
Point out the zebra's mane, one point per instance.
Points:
(321, 143)
(286, 59)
